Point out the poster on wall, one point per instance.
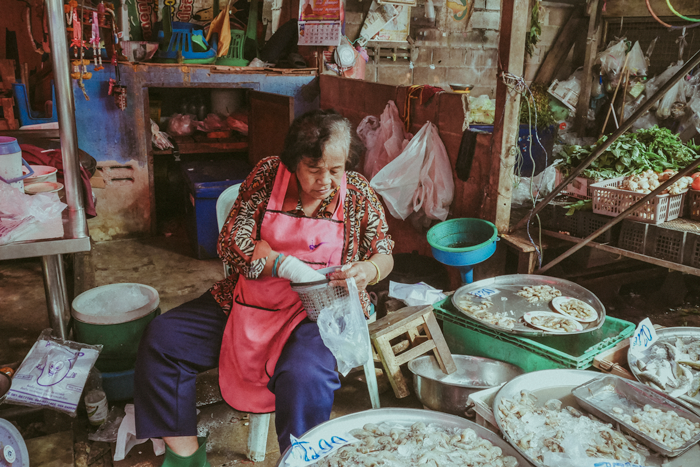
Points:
(320, 22)
(397, 29)
(378, 17)
(144, 14)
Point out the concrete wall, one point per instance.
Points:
(448, 51)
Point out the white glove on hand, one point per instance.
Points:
(297, 271)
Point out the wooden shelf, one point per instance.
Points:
(203, 145)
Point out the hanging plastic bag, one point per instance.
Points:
(344, 331)
(612, 59)
(384, 139)
(667, 102)
(423, 165)
(53, 374)
(636, 63)
(159, 138)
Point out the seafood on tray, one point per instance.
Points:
(419, 444)
(552, 322)
(673, 366)
(556, 429)
(575, 308)
(539, 293)
(666, 427)
(480, 311)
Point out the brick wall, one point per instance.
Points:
(448, 51)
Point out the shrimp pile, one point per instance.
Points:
(479, 312)
(577, 309)
(418, 444)
(667, 428)
(539, 293)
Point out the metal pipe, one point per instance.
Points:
(77, 226)
(694, 61)
(619, 218)
(56, 294)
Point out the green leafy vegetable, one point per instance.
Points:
(533, 35)
(581, 205)
(541, 103)
(655, 148)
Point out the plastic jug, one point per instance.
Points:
(11, 163)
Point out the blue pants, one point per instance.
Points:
(186, 340)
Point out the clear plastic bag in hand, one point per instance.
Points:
(344, 330)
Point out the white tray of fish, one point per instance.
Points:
(672, 365)
(406, 418)
(551, 391)
(501, 303)
(651, 416)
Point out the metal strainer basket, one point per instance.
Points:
(315, 296)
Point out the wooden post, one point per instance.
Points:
(591, 51)
(511, 53)
(561, 47)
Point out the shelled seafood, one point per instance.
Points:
(419, 444)
(667, 427)
(551, 428)
(578, 309)
(672, 366)
(539, 293)
(554, 323)
(480, 311)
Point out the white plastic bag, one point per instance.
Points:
(53, 374)
(344, 330)
(636, 62)
(384, 139)
(419, 180)
(612, 59)
(482, 109)
(528, 188)
(126, 436)
(159, 138)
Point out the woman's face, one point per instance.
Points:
(318, 178)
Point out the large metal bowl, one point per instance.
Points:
(449, 393)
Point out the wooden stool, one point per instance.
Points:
(409, 322)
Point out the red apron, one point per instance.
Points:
(265, 311)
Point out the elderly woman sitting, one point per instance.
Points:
(295, 213)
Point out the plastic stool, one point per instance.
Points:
(409, 323)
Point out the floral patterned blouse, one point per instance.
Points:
(240, 245)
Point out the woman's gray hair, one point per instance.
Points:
(311, 133)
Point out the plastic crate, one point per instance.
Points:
(580, 224)
(665, 244)
(580, 188)
(577, 351)
(611, 201)
(691, 255)
(633, 236)
(694, 201)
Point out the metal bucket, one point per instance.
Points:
(449, 393)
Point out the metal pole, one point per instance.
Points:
(615, 220)
(77, 225)
(695, 60)
(56, 294)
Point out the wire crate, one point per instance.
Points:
(694, 201)
(691, 255)
(611, 201)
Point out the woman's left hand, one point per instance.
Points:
(362, 271)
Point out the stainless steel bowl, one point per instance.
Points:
(449, 393)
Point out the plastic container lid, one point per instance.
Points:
(81, 302)
(9, 145)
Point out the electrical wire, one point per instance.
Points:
(673, 10)
(651, 11)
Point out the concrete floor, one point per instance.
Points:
(167, 264)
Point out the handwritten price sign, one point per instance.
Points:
(643, 338)
(309, 451)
